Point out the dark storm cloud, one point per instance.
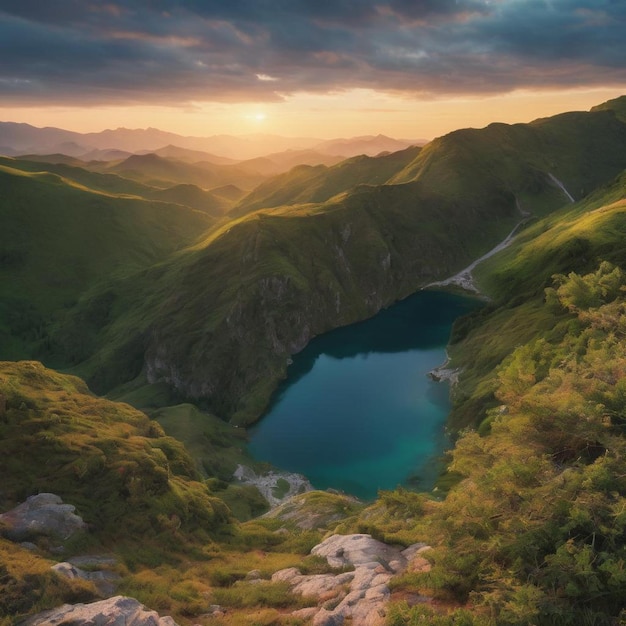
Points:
(168, 51)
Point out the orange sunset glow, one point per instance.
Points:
(332, 115)
(414, 70)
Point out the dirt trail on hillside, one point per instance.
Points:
(464, 278)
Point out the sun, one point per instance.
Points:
(257, 117)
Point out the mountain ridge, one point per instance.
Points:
(21, 138)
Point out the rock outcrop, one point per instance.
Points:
(103, 578)
(361, 594)
(41, 515)
(111, 612)
(275, 487)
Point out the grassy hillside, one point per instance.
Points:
(617, 105)
(534, 532)
(58, 239)
(157, 171)
(305, 184)
(188, 195)
(576, 238)
(582, 150)
(77, 173)
(112, 462)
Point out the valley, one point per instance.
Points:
(154, 306)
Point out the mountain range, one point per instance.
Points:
(183, 287)
(18, 139)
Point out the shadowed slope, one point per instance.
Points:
(58, 239)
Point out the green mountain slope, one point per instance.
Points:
(59, 239)
(124, 480)
(617, 105)
(137, 489)
(318, 183)
(158, 171)
(576, 238)
(582, 150)
(188, 195)
(95, 181)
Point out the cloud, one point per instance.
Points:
(181, 51)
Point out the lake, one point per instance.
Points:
(357, 411)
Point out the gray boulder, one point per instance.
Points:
(116, 611)
(41, 515)
(105, 581)
(358, 596)
(342, 550)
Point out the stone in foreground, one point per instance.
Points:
(360, 595)
(41, 515)
(116, 611)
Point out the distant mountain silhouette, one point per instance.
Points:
(17, 139)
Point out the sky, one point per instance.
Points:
(317, 68)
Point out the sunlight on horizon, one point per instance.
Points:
(256, 117)
(340, 114)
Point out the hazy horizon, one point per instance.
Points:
(487, 111)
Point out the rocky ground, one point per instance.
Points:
(356, 588)
(360, 594)
(275, 486)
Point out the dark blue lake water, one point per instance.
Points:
(357, 411)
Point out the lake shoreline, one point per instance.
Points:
(359, 410)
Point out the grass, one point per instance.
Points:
(59, 240)
(263, 594)
(27, 584)
(576, 238)
(316, 510)
(216, 447)
(113, 463)
(281, 488)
